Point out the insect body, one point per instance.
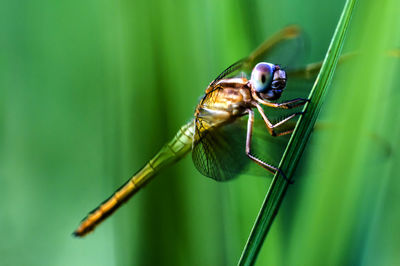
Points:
(227, 99)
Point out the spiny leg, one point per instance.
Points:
(263, 164)
(260, 162)
(285, 105)
(271, 126)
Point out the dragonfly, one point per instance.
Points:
(217, 151)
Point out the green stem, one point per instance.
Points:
(297, 142)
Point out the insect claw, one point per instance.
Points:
(284, 177)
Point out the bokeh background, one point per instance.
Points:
(90, 90)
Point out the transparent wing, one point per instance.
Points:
(220, 152)
(282, 48)
(285, 48)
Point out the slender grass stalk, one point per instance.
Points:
(297, 142)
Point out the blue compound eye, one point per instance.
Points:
(261, 76)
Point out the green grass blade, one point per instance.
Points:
(298, 141)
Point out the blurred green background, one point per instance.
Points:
(90, 90)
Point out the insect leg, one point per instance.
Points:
(258, 161)
(271, 126)
(286, 105)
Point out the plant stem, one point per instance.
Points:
(297, 142)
